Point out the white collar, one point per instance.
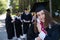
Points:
(50, 26)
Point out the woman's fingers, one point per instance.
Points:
(39, 27)
(38, 38)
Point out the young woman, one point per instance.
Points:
(18, 26)
(47, 28)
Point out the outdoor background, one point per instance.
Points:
(19, 5)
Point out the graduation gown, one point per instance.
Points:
(31, 34)
(27, 17)
(52, 34)
(18, 27)
(9, 27)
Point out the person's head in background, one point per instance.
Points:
(33, 13)
(26, 11)
(18, 13)
(8, 11)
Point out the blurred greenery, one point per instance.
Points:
(20, 5)
(3, 6)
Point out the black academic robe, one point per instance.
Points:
(31, 34)
(18, 27)
(9, 27)
(27, 17)
(52, 34)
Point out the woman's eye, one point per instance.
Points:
(38, 15)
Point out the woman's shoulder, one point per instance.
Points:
(56, 27)
(56, 24)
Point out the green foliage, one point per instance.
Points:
(21, 4)
(3, 6)
(41, 0)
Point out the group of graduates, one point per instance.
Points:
(19, 24)
(37, 25)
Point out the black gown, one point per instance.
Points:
(52, 34)
(31, 35)
(18, 26)
(26, 24)
(9, 27)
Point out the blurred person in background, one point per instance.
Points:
(9, 25)
(18, 23)
(26, 18)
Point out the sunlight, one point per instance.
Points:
(8, 4)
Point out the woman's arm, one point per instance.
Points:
(41, 33)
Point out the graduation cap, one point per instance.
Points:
(38, 6)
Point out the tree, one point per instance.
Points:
(21, 4)
(3, 6)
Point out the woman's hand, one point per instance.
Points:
(38, 38)
(13, 21)
(39, 27)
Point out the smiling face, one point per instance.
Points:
(41, 15)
